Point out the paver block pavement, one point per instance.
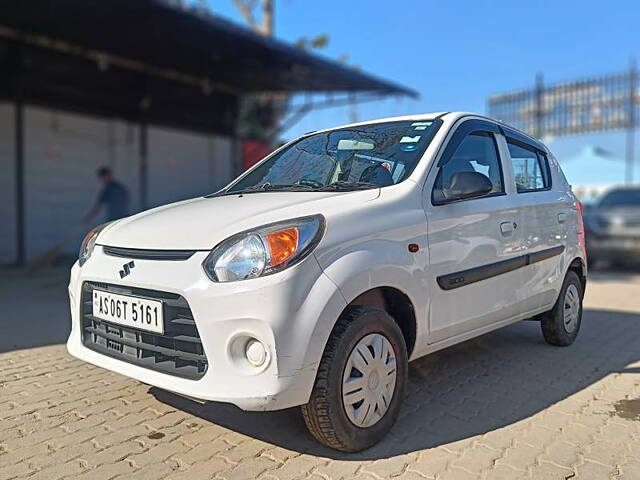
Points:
(503, 406)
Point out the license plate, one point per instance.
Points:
(128, 311)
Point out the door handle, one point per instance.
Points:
(508, 227)
(562, 217)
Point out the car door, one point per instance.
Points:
(546, 212)
(474, 275)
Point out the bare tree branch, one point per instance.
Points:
(267, 18)
(246, 8)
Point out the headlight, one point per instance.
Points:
(89, 243)
(265, 250)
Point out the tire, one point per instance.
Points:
(557, 328)
(326, 414)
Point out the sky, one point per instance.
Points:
(456, 54)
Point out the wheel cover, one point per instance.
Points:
(368, 380)
(571, 308)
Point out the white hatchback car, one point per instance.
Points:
(314, 277)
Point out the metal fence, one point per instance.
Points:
(609, 102)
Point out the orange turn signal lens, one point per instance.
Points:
(282, 245)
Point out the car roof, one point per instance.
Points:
(623, 188)
(416, 117)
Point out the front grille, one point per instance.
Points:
(143, 254)
(177, 352)
(632, 222)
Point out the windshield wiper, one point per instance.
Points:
(295, 187)
(264, 187)
(347, 186)
(341, 185)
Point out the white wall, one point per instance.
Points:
(124, 157)
(183, 164)
(63, 151)
(221, 161)
(7, 185)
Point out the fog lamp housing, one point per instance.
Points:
(255, 352)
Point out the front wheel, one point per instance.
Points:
(560, 325)
(360, 382)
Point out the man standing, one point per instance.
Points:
(114, 197)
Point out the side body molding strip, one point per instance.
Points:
(466, 277)
(544, 254)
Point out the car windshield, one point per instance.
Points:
(362, 157)
(621, 198)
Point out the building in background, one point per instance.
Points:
(143, 86)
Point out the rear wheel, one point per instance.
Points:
(360, 382)
(560, 325)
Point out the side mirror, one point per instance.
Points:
(465, 185)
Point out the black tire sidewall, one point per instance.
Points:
(553, 323)
(367, 320)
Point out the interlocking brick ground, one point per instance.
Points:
(502, 406)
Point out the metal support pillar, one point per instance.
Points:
(143, 170)
(19, 172)
(631, 130)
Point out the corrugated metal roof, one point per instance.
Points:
(159, 35)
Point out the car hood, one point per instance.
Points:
(202, 223)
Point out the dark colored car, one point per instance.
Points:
(612, 227)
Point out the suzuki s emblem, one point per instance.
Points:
(126, 269)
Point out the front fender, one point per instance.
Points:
(384, 263)
(367, 246)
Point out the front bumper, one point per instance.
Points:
(291, 313)
(614, 247)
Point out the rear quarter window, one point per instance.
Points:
(530, 168)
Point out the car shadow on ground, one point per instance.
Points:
(466, 390)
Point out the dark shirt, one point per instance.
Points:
(115, 198)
